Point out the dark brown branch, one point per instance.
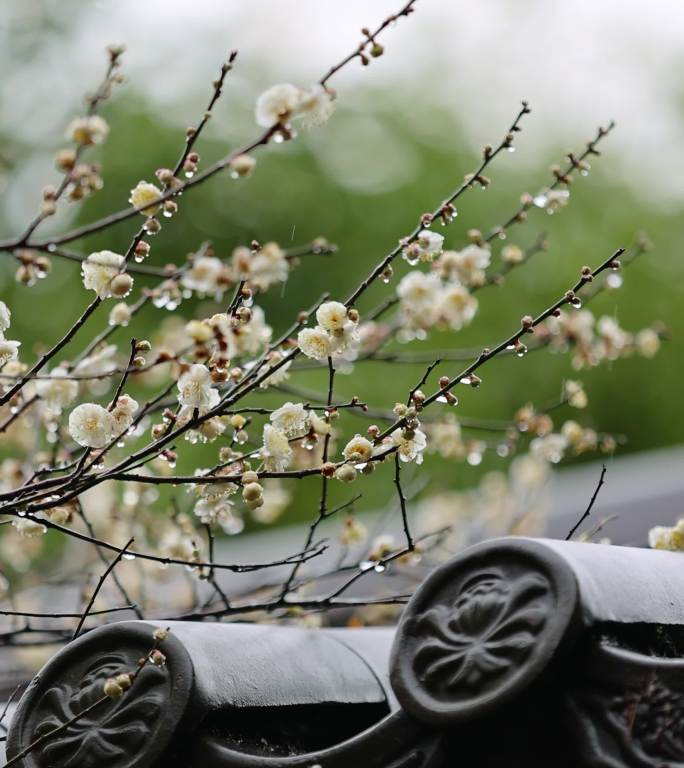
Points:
(587, 511)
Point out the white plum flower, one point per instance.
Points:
(144, 196)
(87, 130)
(99, 363)
(99, 269)
(120, 314)
(277, 104)
(29, 529)
(457, 307)
(123, 412)
(467, 265)
(282, 102)
(419, 294)
(250, 337)
(276, 451)
(208, 431)
(9, 350)
(57, 391)
(664, 537)
(332, 315)
(425, 247)
(358, 449)
(648, 342)
(91, 425)
(291, 419)
(614, 338)
(278, 376)
(195, 388)
(529, 472)
(410, 444)
(214, 507)
(320, 426)
(574, 393)
(345, 341)
(550, 448)
(203, 276)
(316, 105)
(315, 343)
(5, 317)
(512, 254)
(264, 268)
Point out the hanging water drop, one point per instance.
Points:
(474, 458)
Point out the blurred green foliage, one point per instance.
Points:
(293, 197)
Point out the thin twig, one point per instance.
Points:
(587, 511)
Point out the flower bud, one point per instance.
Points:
(124, 680)
(252, 491)
(121, 285)
(241, 165)
(345, 473)
(112, 689)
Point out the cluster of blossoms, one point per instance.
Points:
(336, 333)
(443, 297)
(259, 267)
(515, 502)
(593, 341)
(93, 426)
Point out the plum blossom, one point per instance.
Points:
(647, 342)
(92, 129)
(58, 390)
(410, 444)
(144, 196)
(466, 266)
(9, 350)
(195, 388)
(249, 337)
(276, 451)
(284, 101)
(457, 307)
(28, 529)
(5, 317)
(419, 294)
(204, 275)
(315, 343)
(316, 106)
(277, 104)
(332, 315)
(665, 537)
(291, 419)
(551, 447)
(120, 314)
(425, 247)
(99, 269)
(263, 268)
(358, 449)
(123, 412)
(91, 425)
